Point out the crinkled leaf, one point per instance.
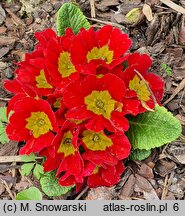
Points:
(26, 169)
(140, 154)
(3, 136)
(31, 193)
(38, 171)
(70, 16)
(28, 158)
(3, 117)
(153, 129)
(50, 186)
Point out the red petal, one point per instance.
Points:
(119, 42)
(121, 147)
(108, 174)
(120, 122)
(114, 85)
(73, 96)
(36, 145)
(79, 113)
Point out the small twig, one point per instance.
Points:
(82, 193)
(4, 99)
(183, 94)
(93, 13)
(8, 189)
(174, 6)
(176, 91)
(165, 188)
(106, 23)
(149, 89)
(136, 198)
(182, 137)
(10, 159)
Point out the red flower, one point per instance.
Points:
(32, 121)
(137, 88)
(44, 37)
(67, 159)
(32, 74)
(103, 176)
(58, 60)
(117, 145)
(98, 100)
(103, 47)
(14, 86)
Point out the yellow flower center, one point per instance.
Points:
(66, 145)
(77, 121)
(65, 66)
(140, 87)
(96, 170)
(38, 123)
(96, 141)
(102, 53)
(57, 103)
(100, 103)
(41, 81)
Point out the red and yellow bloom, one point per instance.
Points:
(33, 121)
(58, 60)
(66, 159)
(71, 100)
(136, 87)
(117, 145)
(103, 175)
(98, 100)
(103, 47)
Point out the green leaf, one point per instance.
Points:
(26, 169)
(167, 69)
(38, 171)
(28, 158)
(31, 193)
(70, 16)
(50, 186)
(3, 117)
(153, 129)
(134, 15)
(140, 154)
(3, 136)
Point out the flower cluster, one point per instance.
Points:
(72, 96)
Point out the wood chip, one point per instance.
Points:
(2, 15)
(147, 12)
(174, 6)
(164, 167)
(146, 171)
(2, 189)
(23, 184)
(4, 51)
(182, 31)
(10, 149)
(15, 18)
(4, 41)
(128, 188)
(2, 30)
(176, 91)
(100, 193)
(93, 13)
(143, 185)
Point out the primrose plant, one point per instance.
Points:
(82, 101)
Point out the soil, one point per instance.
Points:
(156, 29)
